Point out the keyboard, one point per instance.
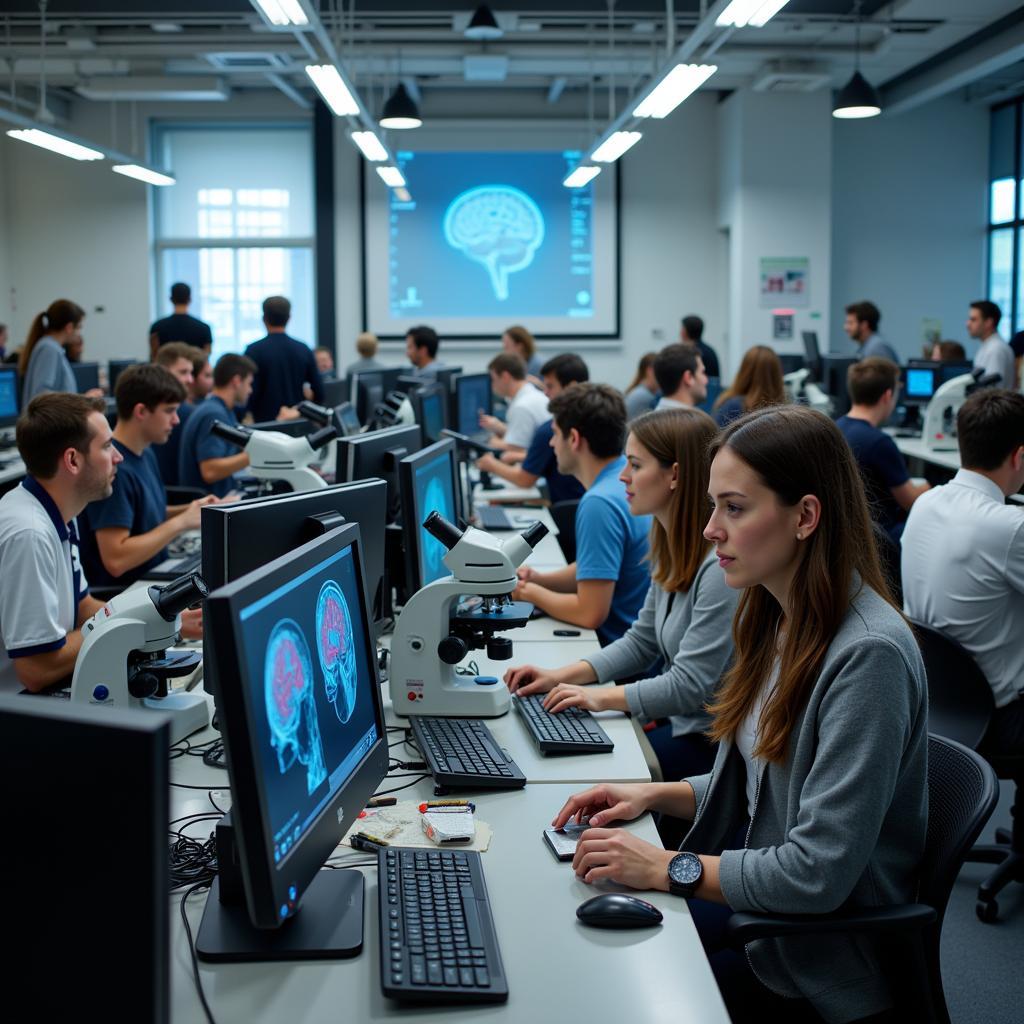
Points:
(461, 753)
(437, 941)
(493, 517)
(172, 568)
(573, 731)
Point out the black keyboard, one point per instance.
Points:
(437, 941)
(493, 517)
(573, 731)
(172, 568)
(461, 753)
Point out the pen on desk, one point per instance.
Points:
(455, 804)
(372, 839)
(382, 801)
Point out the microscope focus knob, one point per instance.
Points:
(499, 648)
(143, 684)
(452, 649)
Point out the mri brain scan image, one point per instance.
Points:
(291, 704)
(434, 500)
(336, 647)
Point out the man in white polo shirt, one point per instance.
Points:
(963, 557)
(66, 444)
(527, 406)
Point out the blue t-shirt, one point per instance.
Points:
(540, 461)
(611, 544)
(283, 366)
(198, 445)
(138, 503)
(882, 467)
(167, 454)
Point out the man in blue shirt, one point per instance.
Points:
(861, 326)
(208, 461)
(128, 532)
(606, 585)
(283, 366)
(873, 385)
(558, 374)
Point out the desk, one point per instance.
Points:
(14, 470)
(915, 448)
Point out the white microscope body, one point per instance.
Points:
(939, 431)
(800, 389)
(120, 663)
(429, 642)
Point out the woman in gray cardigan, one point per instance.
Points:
(817, 800)
(685, 625)
(43, 363)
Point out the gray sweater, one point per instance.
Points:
(840, 823)
(48, 370)
(691, 633)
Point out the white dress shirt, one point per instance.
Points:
(963, 574)
(995, 356)
(526, 412)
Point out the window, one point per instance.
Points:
(1006, 217)
(237, 226)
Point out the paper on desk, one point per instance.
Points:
(400, 826)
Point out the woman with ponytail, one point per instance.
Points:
(43, 363)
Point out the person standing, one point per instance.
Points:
(43, 363)
(993, 355)
(180, 325)
(692, 333)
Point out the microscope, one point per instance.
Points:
(801, 389)
(276, 456)
(432, 636)
(123, 662)
(939, 432)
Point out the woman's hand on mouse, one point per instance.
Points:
(622, 857)
(606, 802)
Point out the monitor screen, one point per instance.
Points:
(472, 396)
(812, 354)
(376, 453)
(87, 376)
(8, 396)
(300, 711)
(346, 419)
(428, 407)
(116, 368)
(920, 384)
(336, 392)
(428, 485)
(951, 370)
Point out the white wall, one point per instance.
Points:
(5, 244)
(909, 213)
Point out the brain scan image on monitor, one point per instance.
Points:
(435, 499)
(498, 226)
(336, 647)
(291, 703)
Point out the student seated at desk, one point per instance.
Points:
(208, 461)
(128, 531)
(605, 587)
(963, 557)
(757, 384)
(180, 361)
(679, 371)
(818, 798)
(685, 625)
(558, 373)
(69, 453)
(527, 406)
(874, 386)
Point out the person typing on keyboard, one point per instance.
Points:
(129, 531)
(685, 625)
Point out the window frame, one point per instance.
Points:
(1013, 318)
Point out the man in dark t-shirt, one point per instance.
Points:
(179, 326)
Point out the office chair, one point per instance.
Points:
(889, 556)
(564, 515)
(960, 706)
(962, 793)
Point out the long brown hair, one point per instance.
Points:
(759, 380)
(57, 316)
(523, 340)
(682, 437)
(796, 451)
(646, 362)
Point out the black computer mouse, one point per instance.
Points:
(618, 910)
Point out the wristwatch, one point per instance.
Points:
(684, 874)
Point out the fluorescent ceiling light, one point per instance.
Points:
(282, 12)
(145, 174)
(55, 143)
(392, 177)
(370, 146)
(614, 146)
(679, 83)
(750, 12)
(402, 195)
(581, 176)
(331, 86)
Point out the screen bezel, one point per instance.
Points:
(412, 514)
(419, 398)
(488, 408)
(9, 421)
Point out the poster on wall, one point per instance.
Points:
(785, 280)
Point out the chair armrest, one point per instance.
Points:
(744, 928)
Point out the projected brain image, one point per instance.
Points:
(434, 500)
(336, 646)
(498, 226)
(291, 705)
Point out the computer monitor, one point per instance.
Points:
(812, 355)
(115, 368)
(336, 391)
(834, 382)
(471, 397)
(346, 419)
(446, 375)
(85, 811)
(8, 396)
(428, 485)
(366, 393)
(299, 704)
(409, 382)
(377, 453)
(429, 403)
(239, 537)
(918, 383)
(87, 376)
(954, 368)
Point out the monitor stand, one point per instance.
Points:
(328, 926)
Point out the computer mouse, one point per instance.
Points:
(618, 910)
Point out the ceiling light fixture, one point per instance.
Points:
(749, 12)
(370, 146)
(282, 12)
(392, 177)
(55, 143)
(400, 111)
(614, 146)
(674, 87)
(581, 176)
(483, 26)
(332, 87)
(141, 173)
(858, 98)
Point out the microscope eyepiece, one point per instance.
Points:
(535, 533)
(322, 436)
(178, 595)
(438, 527)
(236, 435)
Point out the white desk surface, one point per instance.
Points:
(14, 470)
(659, 974)
(915, 448)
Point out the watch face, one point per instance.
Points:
(685, 869)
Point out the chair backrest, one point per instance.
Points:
(960, 702)
(889, 555)
(564, 515)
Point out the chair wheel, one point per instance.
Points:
(987, 910)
